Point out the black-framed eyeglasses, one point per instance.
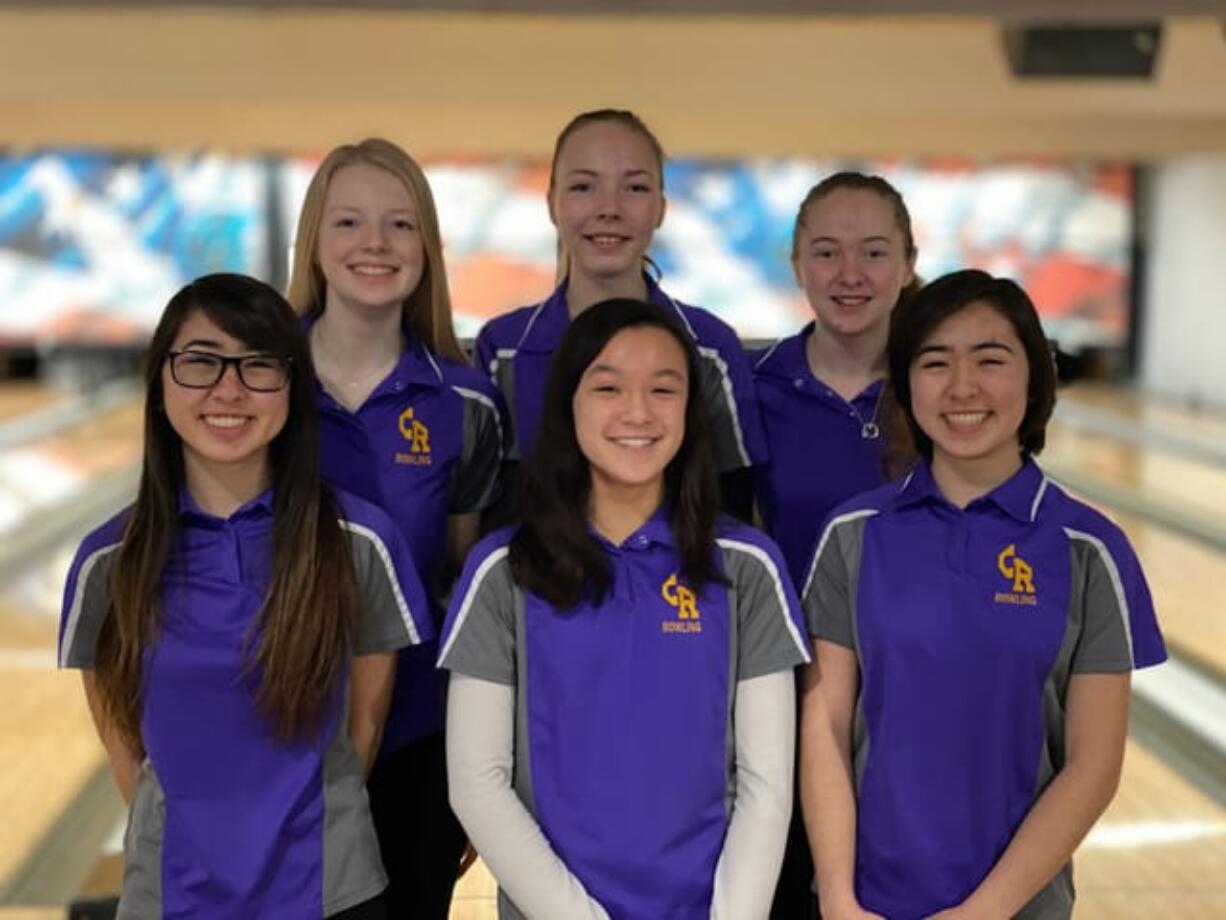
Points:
(199, 370)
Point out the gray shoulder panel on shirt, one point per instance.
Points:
(482, 639)
(730, 451)
(1105, 643)
(88, 611)
(829, 597)
(767, 637)
(474, 483)
(387, 624)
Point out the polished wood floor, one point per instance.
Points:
(1160, 850)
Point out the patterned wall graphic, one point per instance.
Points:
(92, 244)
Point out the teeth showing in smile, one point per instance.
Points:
(225, 421)
(373, 269)
(606, 240)
(965, 418)
(634, 442)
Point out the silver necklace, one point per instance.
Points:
(869, 430)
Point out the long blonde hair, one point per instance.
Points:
(428, 308)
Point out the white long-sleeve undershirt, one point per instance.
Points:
(480, 760)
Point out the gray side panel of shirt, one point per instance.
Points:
(730, 452)
(1055, 899)
(89, 609)
(352, 867)
(474, 479)
(523, 754)
(830, 603)
(1095, 639)
(504, 377)
(386, 621)
(142, 850)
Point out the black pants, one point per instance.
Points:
(794, 898)
(420, 839)
(374, 909)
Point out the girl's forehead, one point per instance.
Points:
(607, 140)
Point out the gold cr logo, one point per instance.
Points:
(1012, 566)
(417, 434)
(681, 597)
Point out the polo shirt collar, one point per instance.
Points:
(786, 358)
(655, 531)
(417, 364)
(1018, 496)
(260, 506)
(548, 321)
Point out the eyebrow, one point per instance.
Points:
(201, 343)
(610, 369)
(350, 207)
(583, 171)
(978, 346)
(867, 239)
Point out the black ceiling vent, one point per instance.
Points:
(1121, 51)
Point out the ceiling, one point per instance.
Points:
(300, 77)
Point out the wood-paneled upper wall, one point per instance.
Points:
(504, 83)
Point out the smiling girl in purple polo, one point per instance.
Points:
(408, 425)
(621, 709)
(821, 393)
(820, 390)
(974, 630)
(606, 198)
(237, 629)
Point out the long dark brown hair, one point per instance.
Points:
(553, 553)
(304, 634)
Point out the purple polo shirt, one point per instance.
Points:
(624, 710)
(818, 455)
(228, 821)
(517, 348)
(425, 444)
(967, 626)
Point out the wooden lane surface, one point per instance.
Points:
(1186, 576)
(1207, 423)
(1172, 480)
(1158, 851)
(1188, 582)
(18, 397)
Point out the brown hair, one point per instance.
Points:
(304, 633)
(427, 310)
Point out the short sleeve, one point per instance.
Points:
(396, 612)
(1119, 628)
(475, 478)
(770, 634)
(827, 594)
(479, 633)
(86, 604)
(727, 387)
(746, 399)
(484, 350)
